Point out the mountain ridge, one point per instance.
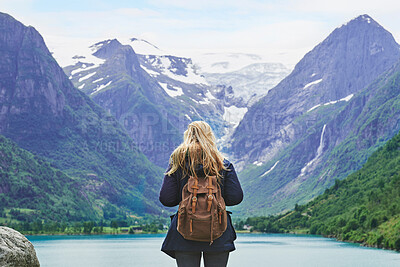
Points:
(164, 92)
(293, 129)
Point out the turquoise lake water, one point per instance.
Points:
(251, 250)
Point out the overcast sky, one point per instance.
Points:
(282, 30)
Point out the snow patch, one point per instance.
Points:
(150, 72)
(172, 93)
(347, 98)
(206, 101)
(84, 67)
(81, 87)
(94, 48)
(163, 64)
(209, 95)
(187, 116)
(270, 170)
(100, 87)
(98, 80)
(314, 107)
(312, 83)
(86, 77)
(366, 18)
(257, 163)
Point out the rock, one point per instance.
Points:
(16, 250)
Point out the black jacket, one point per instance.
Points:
(171, 195)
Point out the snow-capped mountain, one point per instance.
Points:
(154, 111)
(128, 84)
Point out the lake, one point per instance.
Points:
(251, 250)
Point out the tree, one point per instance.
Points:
(131, 231)
(114, 225)
(397, 244)
(87, 227)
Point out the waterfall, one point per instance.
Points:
(319, 152)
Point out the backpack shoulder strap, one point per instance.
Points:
(210, 196)
(195, 188)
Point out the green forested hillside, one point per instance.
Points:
(364, 207)
(31, 189)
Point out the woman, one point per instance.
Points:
(198, 156)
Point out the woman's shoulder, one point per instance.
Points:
(227, 164)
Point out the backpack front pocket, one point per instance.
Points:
(200, 228)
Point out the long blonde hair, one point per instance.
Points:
(198, 147)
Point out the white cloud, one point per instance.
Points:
(282, 30)
(347, 7)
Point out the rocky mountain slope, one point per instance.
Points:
(153, 97)
(316, 125)
(44, 113)
(156, 95)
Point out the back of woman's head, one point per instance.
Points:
(198, 148)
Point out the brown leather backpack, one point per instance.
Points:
(202, 213)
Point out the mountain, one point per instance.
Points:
(30, 184)
(44, 113)
(154, 111)
(316, 125)
(154, 96)
(363, 208)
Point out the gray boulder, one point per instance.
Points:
(16, 250)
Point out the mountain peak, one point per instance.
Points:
(340, 66)
(105, 48)
(97, 46)
(364, 19)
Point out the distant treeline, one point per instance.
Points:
(88, 227)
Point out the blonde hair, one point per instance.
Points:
(198, 147)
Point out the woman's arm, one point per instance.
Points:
(169, 193)
(233, 193)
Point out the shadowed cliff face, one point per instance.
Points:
(44, 113)
(316, 125)
(21, 92)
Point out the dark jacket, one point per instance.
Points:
(171, 195)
